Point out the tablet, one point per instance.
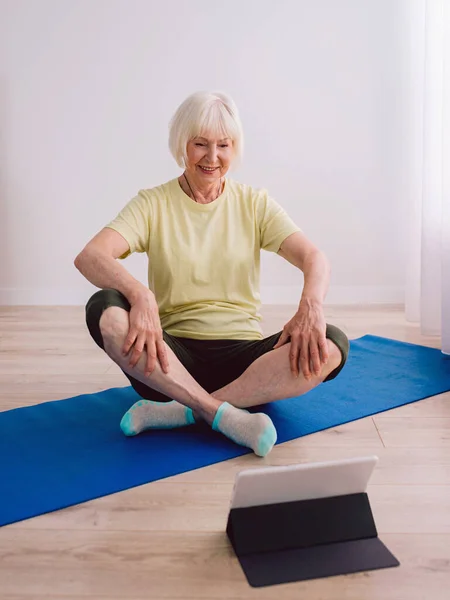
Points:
(273, 485)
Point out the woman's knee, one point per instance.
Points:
(114, 322)
(97, 305)
(338, 345)
(334, 354)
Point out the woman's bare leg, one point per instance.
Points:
(269, 378)
(177, 384)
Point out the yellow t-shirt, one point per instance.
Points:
(204, 259)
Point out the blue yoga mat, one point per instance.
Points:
(65, 452)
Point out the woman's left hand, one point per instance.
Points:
(306, 332)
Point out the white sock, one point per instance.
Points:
(147, 414)
(254, 430)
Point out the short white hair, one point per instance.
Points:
(212, 113)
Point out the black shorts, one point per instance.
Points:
(212, 363)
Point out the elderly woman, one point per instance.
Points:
(190, 343)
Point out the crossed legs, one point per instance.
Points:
(267, 379)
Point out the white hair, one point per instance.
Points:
(211, 113)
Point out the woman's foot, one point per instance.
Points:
(254, 430)
(147, 414)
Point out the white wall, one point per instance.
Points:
(88, 88)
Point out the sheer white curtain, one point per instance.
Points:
(428, 277)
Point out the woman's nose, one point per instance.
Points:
(212, 154)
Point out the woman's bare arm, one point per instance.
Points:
(97, 262)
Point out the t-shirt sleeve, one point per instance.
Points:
(275, 225)
(133, 223)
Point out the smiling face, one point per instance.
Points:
(208, 159)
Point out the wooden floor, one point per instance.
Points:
(166, 539)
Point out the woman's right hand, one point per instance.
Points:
(146, 332)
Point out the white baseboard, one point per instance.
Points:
(338, 295)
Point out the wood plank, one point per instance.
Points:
(396, 465)
(436, 406)
(139, 564)
(358, 432)
(26, 389)
(417, 432)
(48, 365)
